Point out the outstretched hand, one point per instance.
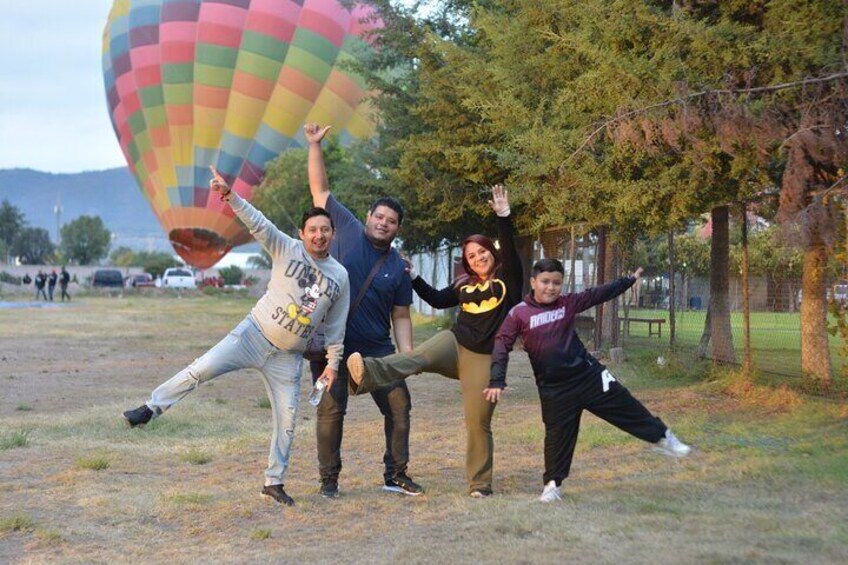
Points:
(500, 201)
(315, 133)
(218, 184)
(638, 273)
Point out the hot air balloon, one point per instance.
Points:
(227, 83)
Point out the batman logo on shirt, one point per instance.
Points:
(482, 297)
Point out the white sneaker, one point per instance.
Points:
(671, 446)
(551, 493)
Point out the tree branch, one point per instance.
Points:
(683, 100)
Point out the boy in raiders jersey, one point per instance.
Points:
(569, 379)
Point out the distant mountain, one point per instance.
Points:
(111, 194)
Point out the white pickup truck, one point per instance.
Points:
(178, 278)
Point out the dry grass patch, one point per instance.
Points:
(765, 483)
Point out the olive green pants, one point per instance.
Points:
(443, 355)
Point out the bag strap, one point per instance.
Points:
(364, 288)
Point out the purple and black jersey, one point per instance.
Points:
(550, 337)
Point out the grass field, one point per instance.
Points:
(767, 482)
(775, 338)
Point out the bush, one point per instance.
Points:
(9, 278)
(231, 275)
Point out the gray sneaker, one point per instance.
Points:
(671, 446)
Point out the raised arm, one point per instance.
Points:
(261, 228)
(319, 185)
(512, 269)
(600, 294)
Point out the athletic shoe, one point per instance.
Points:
(551, 493)
(329, 488)
(139, 416)
(403, 484)
(278, 493)
(356, 367)
(481, 493)
(671, 446)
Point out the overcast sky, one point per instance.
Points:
(53, 114)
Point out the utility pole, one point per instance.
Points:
(57, 211)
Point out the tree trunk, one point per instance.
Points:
(572, 278)
(815, 352)
(600, 278)
(746, 314)
(722, 335)
(671, 294)
(704, 344)
(610, 308)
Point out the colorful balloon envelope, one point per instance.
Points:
(226, 83)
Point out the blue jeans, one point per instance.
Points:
(246, 347)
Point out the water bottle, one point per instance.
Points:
(317, 392)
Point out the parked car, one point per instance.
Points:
(178, 278)
(107, 278)
(140, 280)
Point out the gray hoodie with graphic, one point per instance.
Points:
(303, 291)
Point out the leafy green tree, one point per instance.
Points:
(33, 246)
(123, 257)
(85, 240)
(261, 261)
(12, 221)
(156, 262)
(232, 275)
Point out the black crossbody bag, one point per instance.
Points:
(316, 346)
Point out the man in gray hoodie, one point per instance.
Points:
(307, 287)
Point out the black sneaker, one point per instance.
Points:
(139, 416)
(403, 484)
(277, 493)
(329, 488)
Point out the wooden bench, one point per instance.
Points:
(625, 325)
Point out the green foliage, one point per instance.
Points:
(123, 257)
(12, 439)
(17, 523)
(156, 262)
(232, 275)
(85, 240)
(12, 221)
(33, 246)
(260, 534)
(284, 194)
(9, 278)
(261, 261)
(92, 463)
(196, 457)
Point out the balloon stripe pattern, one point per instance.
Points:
(226, 83)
